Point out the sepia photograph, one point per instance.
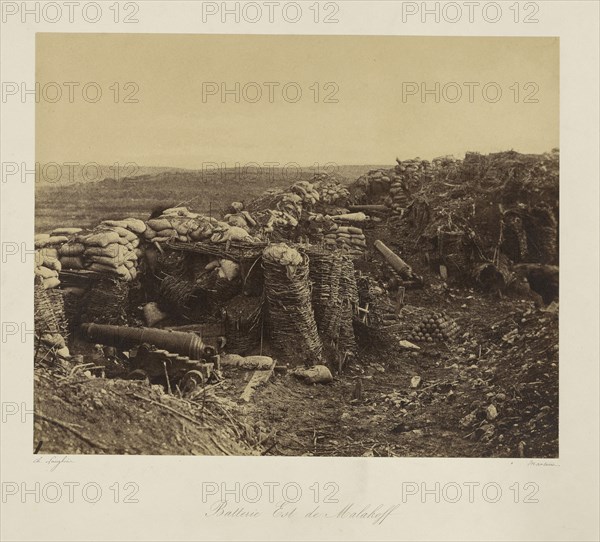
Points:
(296, 245)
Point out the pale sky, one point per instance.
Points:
(372, 122)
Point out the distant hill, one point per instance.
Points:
(52, 174)
(57, 174)
(85, 202)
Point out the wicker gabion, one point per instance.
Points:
(292, 323)
(337, 329)
(349, 298)
(106, 302)
(178, 294)
(451, 251)
(325, 269)
(243, 318)
(49, 311)
(73, 309)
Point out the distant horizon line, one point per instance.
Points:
(269, 164)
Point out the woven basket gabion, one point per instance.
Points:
(325, 269)
(291, 319)
(49, 311)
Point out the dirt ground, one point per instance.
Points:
(492, 392)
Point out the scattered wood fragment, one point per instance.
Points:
(172, 410)
(259, 378)
(219, 446)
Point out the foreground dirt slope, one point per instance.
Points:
(82, 414)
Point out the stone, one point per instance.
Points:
(415, 381)
(486, 432)
(491, 413)
(63, 352)
(468, 420)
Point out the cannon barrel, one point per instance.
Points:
(122, 337)
(397, 263)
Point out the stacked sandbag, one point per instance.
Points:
(412, 168)
(445, 163)
(399, 197)
(278, 220)
(307, 192)
(376, 184)
(239, 217)
(47, 267)
(330, 191)
(409, 176)
(112, 248)
(348, 239)
(179, 223)
(71, 254)
(176, 223)
(48, 240)
(53, 244)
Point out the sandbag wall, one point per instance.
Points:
(399, 197)
(112, 251)
(112, 248)
(349, 239)
(183, 225)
